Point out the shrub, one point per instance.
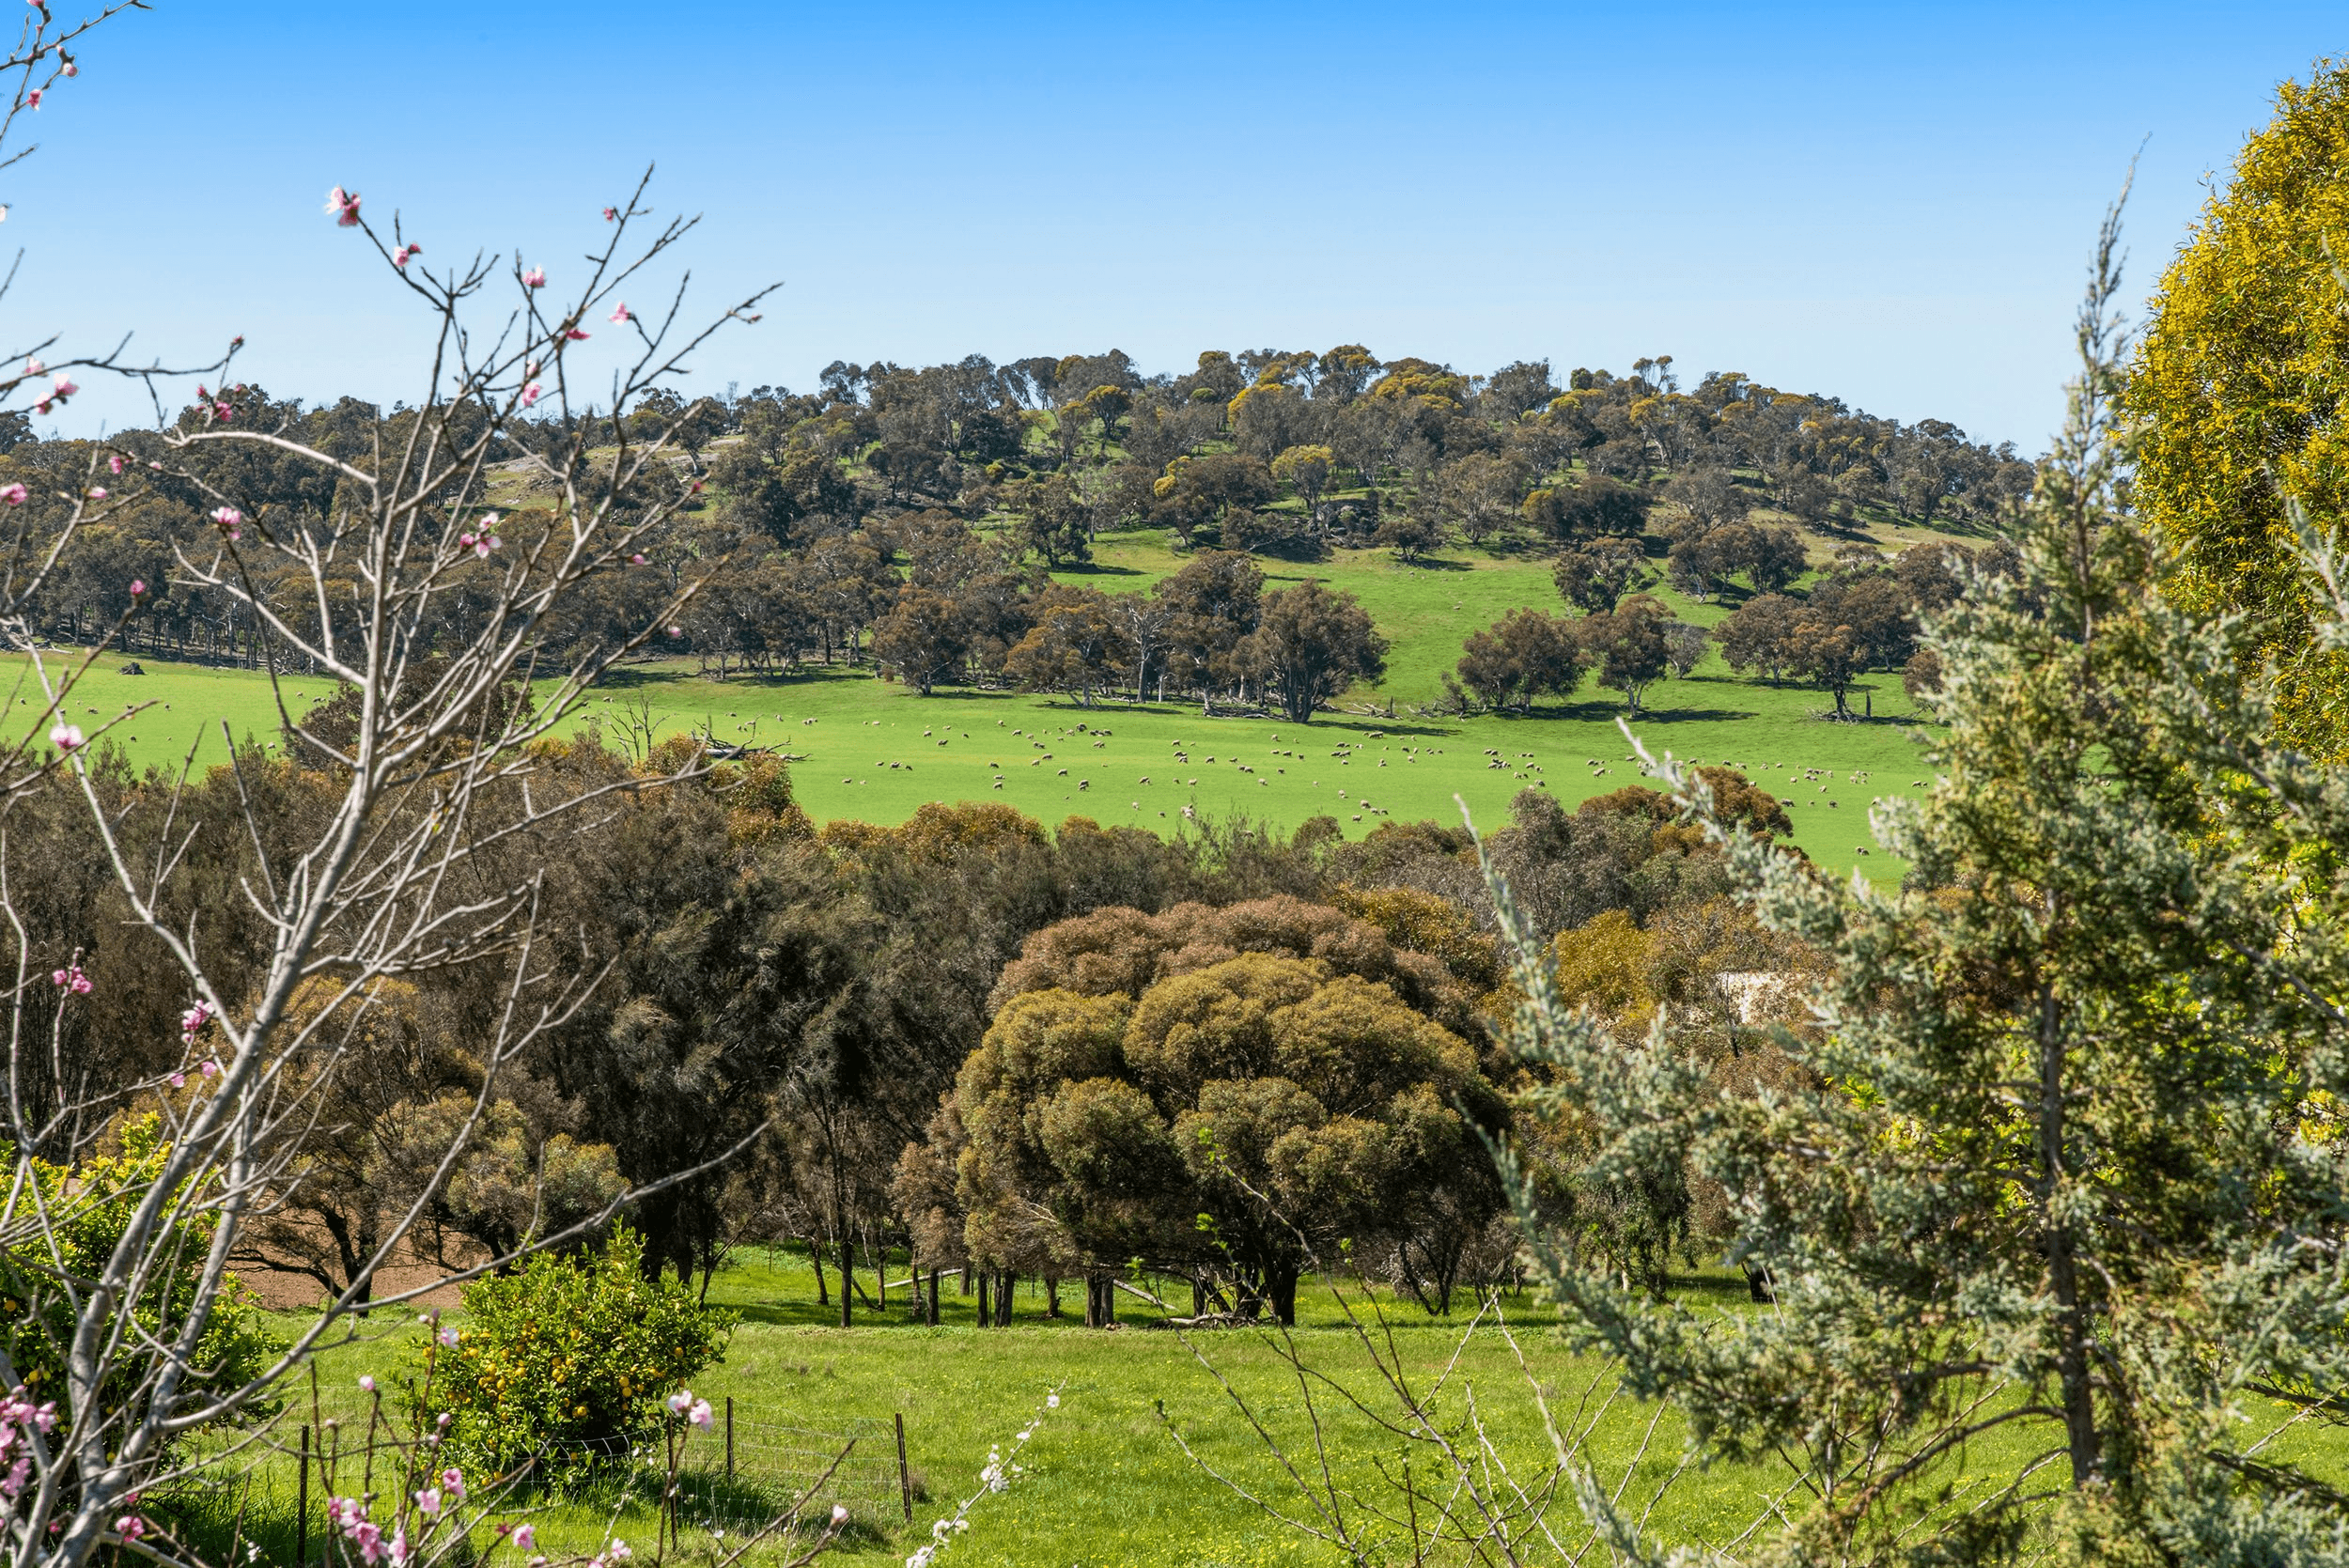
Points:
(568, 1358)
(87, 1207)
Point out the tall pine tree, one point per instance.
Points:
(2054, 1223)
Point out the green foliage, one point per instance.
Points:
(2240, 380)
(87, 1207)
(2063, 1164)
(566, 1358)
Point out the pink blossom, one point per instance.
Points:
(620, 1552)
(366, 1383)
(448, 1337)
(577, 335)
(700, 1414)
(676, 631)
(97, 492)
(637, 559)
(530, 370)
(680, 1402)
(209, 1069)
(399, 1548)
(41, 405)
(32, 100)
(192, 1019)
(66, 736)
(839, 1513)
(230, 519)
(525, 1537)
(534, 277)
(611, 214)
(343, 205)
(399, 257)
(14, 494)
(620, 315)
(179, 1080)
(33, 367)
(114, 463)
(68, 69)
(428, 1501)
(369, 1540)
(138, 587)
(530, 394)
(222, 412)
(130, 1527)
(63, 385)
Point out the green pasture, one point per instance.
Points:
(871, 750)
(1106, 1484)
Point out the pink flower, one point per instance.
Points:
(428, 1501)
(65, 737)
(620, 315)
(525, 1537)
(530, 394)
(611, 214)
(14, 494)
(399, 257)
(192, 1019)
(41, 405)
(398, 1549)
(130, 1527)
(230, 519)
(535, 278)
(448, 1337)
(63, 385)
(32, 100)
(676, 631)
(97, 492)
(453, 1481)
(700, 1414)
(680, 1402)
(530, 371)
(577, 335)
(369, 1540)
(179, 1080)
(68, 69)
(222, 412)
(33, 367)
(620, 1552)
(343, 207)
(366, 1383)
(114, 463)
(210, 1068)
(637, 559)
(138, 586)
(73, 979)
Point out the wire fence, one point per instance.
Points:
(735, 1479)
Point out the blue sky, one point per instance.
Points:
(1890, 203)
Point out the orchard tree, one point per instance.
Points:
(1312, 644)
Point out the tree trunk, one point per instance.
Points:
(929, 1306)
(816, 1257)
(1004, 1283)
(1282, 1286)
(982, 1273)
(1051, 1296)
(847, 1275)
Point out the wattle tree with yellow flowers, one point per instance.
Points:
(2240, 379)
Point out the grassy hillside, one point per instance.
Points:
(875, 750)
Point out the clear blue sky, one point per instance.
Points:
(1892, 203)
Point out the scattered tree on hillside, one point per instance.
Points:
(1311, 644)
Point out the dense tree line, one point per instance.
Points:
(912, 517)
(861, 993)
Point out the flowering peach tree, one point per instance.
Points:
(396, 874)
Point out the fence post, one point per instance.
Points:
(729, 1436)
(905, 1484)
(302, 1507)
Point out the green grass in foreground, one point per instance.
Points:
(1107, 1486)
(874, 751)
